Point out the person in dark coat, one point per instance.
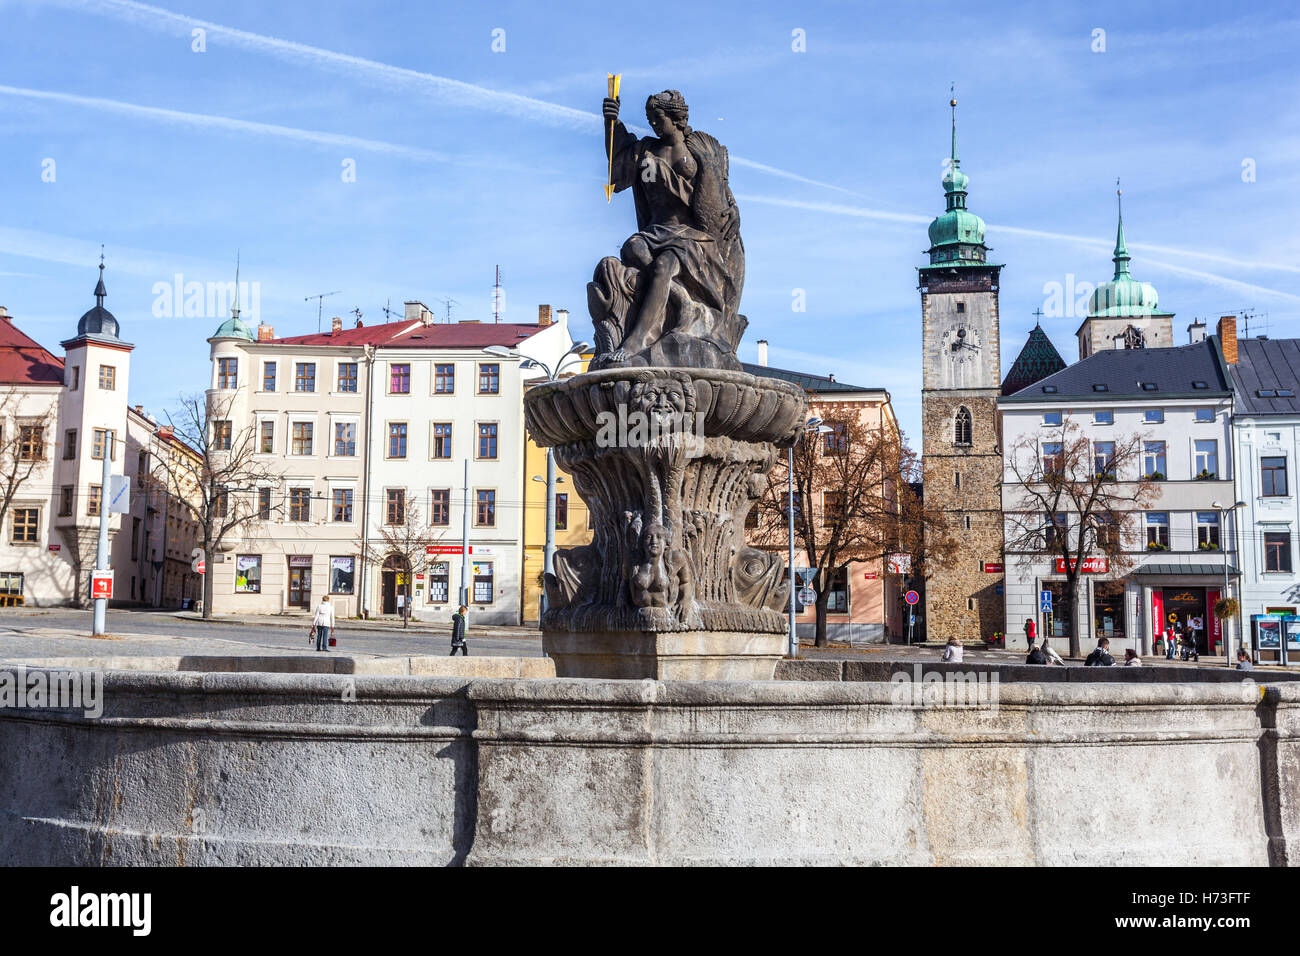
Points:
(1036, 656)
(459, 628)
(1100, 656)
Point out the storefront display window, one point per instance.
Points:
(248, 574)
(342, 574)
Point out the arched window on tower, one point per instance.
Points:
(961, 427)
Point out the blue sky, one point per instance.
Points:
(468, 158)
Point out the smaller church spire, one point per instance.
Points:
(953, 103)
(1121, 257)
(100, 291)
(234, 310)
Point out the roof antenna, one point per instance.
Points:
(497, 296)
(357, 313)
(448, 303)
(388, 312)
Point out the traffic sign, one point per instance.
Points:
(119, 494)
(201, 566)
(807, 596)
(1045, 601)
(806, 575)
(101, 585)
(911, 597)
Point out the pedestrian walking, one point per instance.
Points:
(323, 623)
(1171, 647)
(458, 630)
(1031, 632)
(953, 650)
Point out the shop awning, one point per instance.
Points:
(1182, 569)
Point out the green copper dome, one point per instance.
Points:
(1123, 296)
(234, 328)
(957, 236)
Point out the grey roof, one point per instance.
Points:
(1173, 372)
(811, 383)
(1267, 365)
(1184, 567)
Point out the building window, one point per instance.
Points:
(1053, 457)
(221, 503)
(345, 439)
(65, 501)
(1103, 459)
(343, 504)
(832, 507)
(304, 377)
(561, 512)
(1106, 532)
(1055, 530)
(1207, 530)
(23, 529)
(31, 443)
(397, 439)
(98, 439)
(302, 437)
(489, 379)
(399, 379)
(396, 513)
(444, 379)
(268, 376)
(343, 574)
(74, 382)
(299, 504)
(961, 427)
(92, 500)
(483, 589)
(347, 377)
(266, 438)
(1272, 477)
(1205, 463)
(485, 515)
(961, 308)
(1153, 459)
(107, 378)
(487, 440)
(441, 440)
(1158, 530)
(1108, 609)
(70, 444)
(1205, 415)
(264, 504)
(835, 441)
(1052, 418)
(248, 574)
(1103, 418)
(440, 507)
(227, 372)
(222, 436)
(837, 601)
(439, 582)
(135, 539)
(1154, 416)
(1277, 551)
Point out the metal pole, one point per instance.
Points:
(1227, 643)
(101, 553)
(789, 508)
(548, 555)
(464, 545)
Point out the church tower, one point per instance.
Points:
(961, 381)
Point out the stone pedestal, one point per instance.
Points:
(669, 462)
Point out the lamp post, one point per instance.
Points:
(574, 353)
(1224, 511)
(813, 424)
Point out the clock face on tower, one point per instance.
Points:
(961, 345)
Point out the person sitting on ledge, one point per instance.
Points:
(1244, 663)
(1036, 655)
(1131, 658)
(952, 650)
(1100, 656)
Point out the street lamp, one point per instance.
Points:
(1224, 511)
(814, 425)
(573, 354)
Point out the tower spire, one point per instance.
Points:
(100, 291)
(1121, 257)
(952, 92)
(234, 311)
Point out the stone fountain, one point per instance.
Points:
(668, 441)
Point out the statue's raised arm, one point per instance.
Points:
(672, 296)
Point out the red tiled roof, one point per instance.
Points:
(24, 362)
(413, 334)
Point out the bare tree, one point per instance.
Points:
(25, 443)
(1077, 500)
(404, 535)
(220, 486)
(854, 500)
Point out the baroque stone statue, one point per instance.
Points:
(667, 439)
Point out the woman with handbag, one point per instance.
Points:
(323, 623)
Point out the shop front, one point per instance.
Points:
(1178, 602)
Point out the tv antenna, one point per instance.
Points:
(448, 303)
(357, 313)
(1249, 315)
(320, 303)
(388, 312)
(496, 298)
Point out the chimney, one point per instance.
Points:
(4, 314)
(562, 316)
(418, 311)
(265, 333)
(336, 325)
(762, 352)
(139, 410)
(1196, 332)
(543, 315)
(1228, 338)
(830, 377)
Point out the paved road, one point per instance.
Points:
(61, 632)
